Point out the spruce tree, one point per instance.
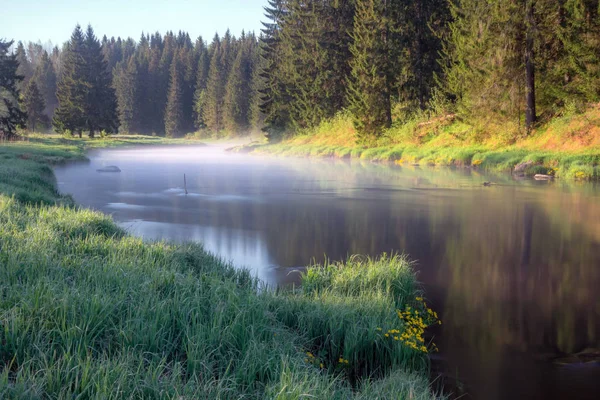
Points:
(212, 107)
(189, 62)
(73, 88)
(142, 86)
(11, 115)
(25, 68)
(45, 79)
(272, 84)
(33, 104)
(200, 89)
(125, 84)
(236, 103)
(100, 101)
(174, 119)
(257, 86)
(368, 91)
(155, 92)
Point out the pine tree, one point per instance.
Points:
(73, 88)
(212, 110)
(100, 103)
(236, 103)
(143, 90)
(368, 92)
(125, 85)
(11, 115)
(415, 45)
(174, 119)
(155, 92)
(257, 86)
(200, 90)
(272, 85)
(45, 79)
(25, 69)
(189, 61)
(33, 104)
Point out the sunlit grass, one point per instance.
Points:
(567, 146)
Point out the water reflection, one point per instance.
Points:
(513, 267)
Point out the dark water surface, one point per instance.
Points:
(513, 269)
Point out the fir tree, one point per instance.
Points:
(200, 90)
(237, 92)
(125, 85)
(25, 68)
(73, 88)
(100, 102)
(11, 115)
(45, 79)
(174, 120)
(272, 85)
(33, 104)
(368, 92)
(212, 107)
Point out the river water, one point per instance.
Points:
(513, 269)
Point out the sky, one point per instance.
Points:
(54, 20)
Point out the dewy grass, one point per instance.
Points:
(87, 311)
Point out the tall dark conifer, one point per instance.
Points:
(174, 118)
(73, 88)
(125, 82)
(212, 103)
(100, 102)
(368, 92)
(11, 115)
(204, 59)
(33, 104)
(45, 79)
(272, 85)
(25, 68)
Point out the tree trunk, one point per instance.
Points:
(530, 113)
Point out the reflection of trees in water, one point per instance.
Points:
(520, 275)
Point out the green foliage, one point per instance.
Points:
(33, 104)
(73, 87)
(368, 92)
(11, 115)
(45, 79)
(174, 113)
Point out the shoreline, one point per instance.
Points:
(80, 267)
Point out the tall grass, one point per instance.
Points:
(87, 311)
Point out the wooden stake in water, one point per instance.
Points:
(185, 185)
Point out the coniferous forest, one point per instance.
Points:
(381, 61)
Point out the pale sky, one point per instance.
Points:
(54, 20)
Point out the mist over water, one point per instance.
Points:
(513, 269)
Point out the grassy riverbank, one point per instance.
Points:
(87, 310)
(565, 147)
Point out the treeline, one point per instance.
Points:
(164, 85)
(507, 60)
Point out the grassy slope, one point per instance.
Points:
(87, 311)
(567, 147)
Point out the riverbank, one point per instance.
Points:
(566, 147)
(88, 310)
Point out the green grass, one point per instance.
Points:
(567, 146)
(87, 311)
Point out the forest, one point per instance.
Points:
(382, 62)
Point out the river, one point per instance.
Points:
(513, 269)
